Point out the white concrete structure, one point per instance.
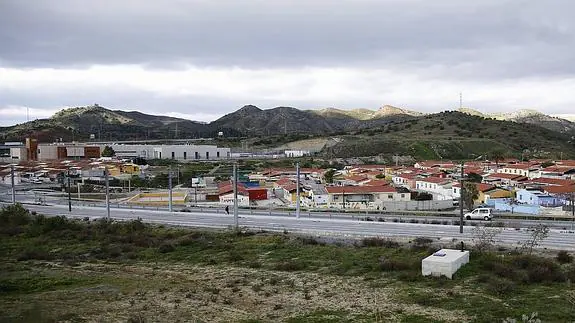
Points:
(296, 153)
(228, 199)
(444, 262)
(12, 153)
(178, 152)
(441, 188)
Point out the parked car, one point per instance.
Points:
(481, 213)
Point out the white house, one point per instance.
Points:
(441, 188)
(530, 171)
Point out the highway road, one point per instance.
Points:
(557, 239)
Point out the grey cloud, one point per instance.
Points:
(494, 38)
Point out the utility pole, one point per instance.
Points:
(107, 193)
(297, 202)
(170, 189)
(236, 221)
(572, 209)
(69, 192)
(13, 185)
(462, 189)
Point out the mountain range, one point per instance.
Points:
(392, 128)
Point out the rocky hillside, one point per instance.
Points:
(253, 121)
(367, 114)
(82, 122)
(528, 116)
(454, 135)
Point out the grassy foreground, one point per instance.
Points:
(55, 269)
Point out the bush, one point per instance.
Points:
(563, 257)
(389, 264)
(500, 286)
(290, 265)
(379, 242)
(14, 215)
(166, 247)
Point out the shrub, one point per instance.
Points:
(563, 257)
(379, 242)
(14, 215)
(389, 264)
(500, 286)
(290, 265)
(166, 247)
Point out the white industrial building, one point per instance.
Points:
(178, 152)
(12, 152)
(296, 153)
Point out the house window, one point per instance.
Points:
(402, 195)
(390, 196)
(218, 154)
(173, 155)
(521, 197)
(185, 155)
(207, 155)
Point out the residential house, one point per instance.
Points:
(523, 169)
(536, 197)
(286, 189)
(407, 180)
(558, 171)
(502, 179)
(226, 194)
(434, 164)
(441, 188)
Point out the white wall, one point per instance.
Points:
(180, 152)
(228, 199)
(47, 152)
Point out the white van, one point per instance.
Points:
(481, 213)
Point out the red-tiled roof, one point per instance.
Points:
(558, 168)
(506, 176)
(482, 187)
(521, 166)
(563, 189)
(356, 178)
(360, 189)
(552, 181)
(376, 182)
(566, 163)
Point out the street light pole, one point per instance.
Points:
(69, 192)
(170, 189)
(107, 193)
(297, 202)
(236, 221)
(13, 185)
(462, 189)
(572, 209)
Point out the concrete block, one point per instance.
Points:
(444, 262)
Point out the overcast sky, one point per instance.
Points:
(201, 59)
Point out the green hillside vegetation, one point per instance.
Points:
(56, 269)
(454, 135)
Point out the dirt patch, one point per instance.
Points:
(177, 293)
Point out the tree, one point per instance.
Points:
(484, 238)
(497, 156)
(328, 176)
(470, 194)
(108, 152)
(474, 177)
(538, 234)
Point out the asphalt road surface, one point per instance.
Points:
(557, 239)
